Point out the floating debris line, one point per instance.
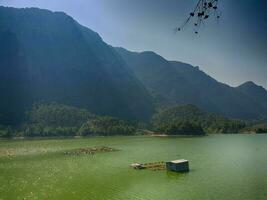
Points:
(90, 151)
(204, 10)
(180, 165)
(155, 166)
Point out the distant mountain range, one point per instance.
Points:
(172, 82)
(48, 56)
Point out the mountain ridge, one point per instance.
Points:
(48, 56)
(174, 82)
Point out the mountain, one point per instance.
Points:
(257, 93)
(171, 83)
(48, 56)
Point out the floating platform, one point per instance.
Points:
(181, 165)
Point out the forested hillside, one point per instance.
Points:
(191, 117)
(53, 119)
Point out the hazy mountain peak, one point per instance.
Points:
(251, 84)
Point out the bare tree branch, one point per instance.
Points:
(202, 11)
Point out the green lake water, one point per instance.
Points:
(222, 167)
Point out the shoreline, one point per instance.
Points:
(99, 136)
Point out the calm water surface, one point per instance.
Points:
(222, 167)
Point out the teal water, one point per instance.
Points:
(223, 167)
